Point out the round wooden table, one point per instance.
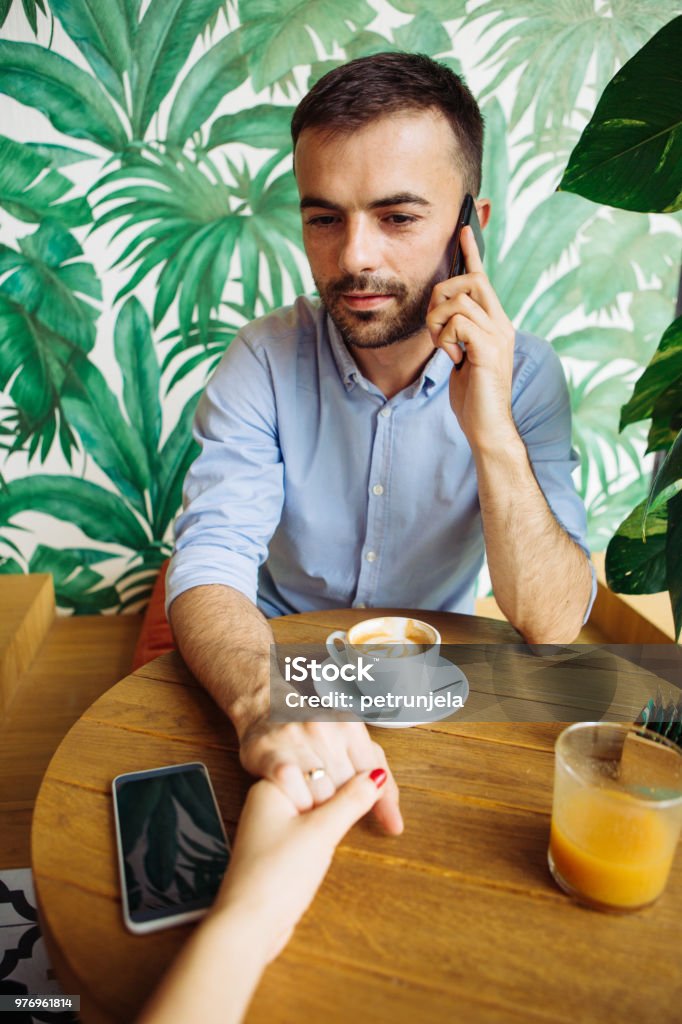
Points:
(458, 918)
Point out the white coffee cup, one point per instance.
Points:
(402, 654)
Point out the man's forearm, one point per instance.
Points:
(541, 578)
(225, 642)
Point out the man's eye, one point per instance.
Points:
(321, 222)
(400, 219)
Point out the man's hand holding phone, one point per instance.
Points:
(465, 311)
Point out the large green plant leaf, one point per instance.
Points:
(662, 372)
(668, 480)
(31, 190)
(630, 153)
(34, 359)
(93, 410)
(634, 565)
(278, 36)
(674, 561)
(71, 99)
(101, 515)
(265, 125)
(49, 281)
(218, 73)
(136, 357)
(162, 44)
(102, 33)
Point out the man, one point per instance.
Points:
(345, 461)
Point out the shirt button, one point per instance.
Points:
(385, 411)
(371, 556)
(378, 490)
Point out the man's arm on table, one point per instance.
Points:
(225, 641)
(541, 577)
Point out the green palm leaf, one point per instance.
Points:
(35, 360)
(595, 434)
(552, 43)
(194, 348)
(136, 356)
(71, 99)
(423, 34)
(195, 223)
(443, 9)
(101, 515)
(175, 458)
(601, 278)
(77, 587)
(52, 284)
(162, 43)
(278, 36)
(101, 32)
(219, 72)
(608, 509)
(264, 125)
(31, 190)
(31, 8)
(93, 410)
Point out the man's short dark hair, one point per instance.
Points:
(353, 95)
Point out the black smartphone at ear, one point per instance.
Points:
(467, 215)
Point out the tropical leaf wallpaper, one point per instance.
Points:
(148, 209)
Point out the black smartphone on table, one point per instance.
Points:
(172, 847)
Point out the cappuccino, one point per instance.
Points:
(392, 637)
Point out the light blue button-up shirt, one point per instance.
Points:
(312, 491)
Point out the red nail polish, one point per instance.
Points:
(378, 777)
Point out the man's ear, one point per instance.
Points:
(483, 207)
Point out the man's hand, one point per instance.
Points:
(286, 753)
(465, 309)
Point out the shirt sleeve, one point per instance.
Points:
(234, 490)
(542, 412)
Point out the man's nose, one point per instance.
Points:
(360, 250)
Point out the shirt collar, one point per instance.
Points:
(435, 372)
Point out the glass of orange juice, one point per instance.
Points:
(616, 815)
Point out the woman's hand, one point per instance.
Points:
(281, 855)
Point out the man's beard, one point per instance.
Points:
(380, 330)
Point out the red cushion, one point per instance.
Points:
(156, 637)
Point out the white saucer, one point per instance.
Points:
(447, 678)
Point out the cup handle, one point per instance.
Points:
(337, 656)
